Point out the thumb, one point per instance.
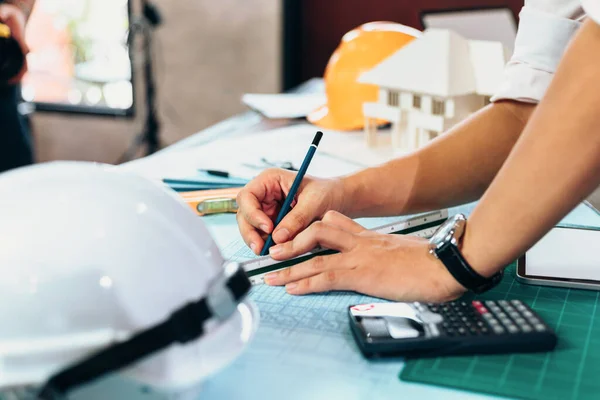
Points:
(296, 221)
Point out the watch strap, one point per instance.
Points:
(460, 269)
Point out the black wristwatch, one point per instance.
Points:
(444, 245)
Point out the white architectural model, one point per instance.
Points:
(431, 84)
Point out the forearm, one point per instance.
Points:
(25, 5)
(454, 169)
(554, 165)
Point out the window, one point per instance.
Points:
(417, 102)
(79, 60)
(393, 99)
(438, 107)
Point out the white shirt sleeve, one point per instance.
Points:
(592, 9)
(545, 29)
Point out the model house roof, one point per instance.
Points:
(441, 63)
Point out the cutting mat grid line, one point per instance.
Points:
(570, 372)
(578, 379)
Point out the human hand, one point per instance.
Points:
(13, 17)
(260, 201)
(394, 267)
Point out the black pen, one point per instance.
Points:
(222, 174)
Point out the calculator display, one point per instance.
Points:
(399, 320)
(396, 327)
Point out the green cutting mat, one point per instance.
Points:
(572, 371)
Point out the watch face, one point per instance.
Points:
(448, 231)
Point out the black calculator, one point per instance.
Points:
(454, 328)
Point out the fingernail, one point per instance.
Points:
(270, 276)
(264, 228)
(253, 247)
(275, 250)
(281, 235)
(290, 287)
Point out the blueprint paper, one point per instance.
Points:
(304, 350)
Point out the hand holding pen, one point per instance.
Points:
(260, 203)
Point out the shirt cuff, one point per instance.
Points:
(592, 9)
(541, 41)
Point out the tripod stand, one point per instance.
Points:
(150, 135)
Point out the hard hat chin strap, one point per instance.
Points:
(184, 325)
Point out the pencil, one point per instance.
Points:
(287, 204)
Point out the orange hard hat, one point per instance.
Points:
(360, 50)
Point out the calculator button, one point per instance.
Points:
(498, 329)
(528, 314)
(526, 328)
(480, 308)
(520, 321)
(512, 329)
(484, 330)
(490, 303)
(539, 327)
(512, 312)
(516, 302)
(462, 331)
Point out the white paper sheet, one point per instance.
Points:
(286, 105)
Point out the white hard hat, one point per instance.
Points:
(100, 268)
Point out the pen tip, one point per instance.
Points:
(317, 138)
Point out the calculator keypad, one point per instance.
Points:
(486, 317)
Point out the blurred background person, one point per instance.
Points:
(15, 141)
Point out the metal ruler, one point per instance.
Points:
(423, 225)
